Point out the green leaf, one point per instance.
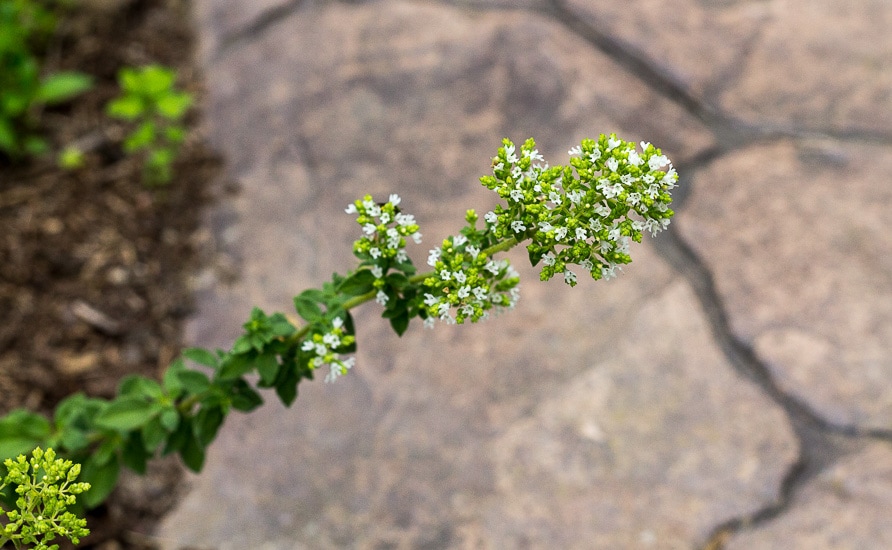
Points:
(179, 438)
(127, 413)
(242, 396)
(102, 479)
(307, 306)
(154, 433)
(400, 323)
(202, 357)
(175, 134)
(170, 419)
(8, 141)
(21, 431)
(286, 383)
(236, 365)
(192, 454)
(397, 280)
(268, 367)
(143, 136)
(59, 87)
(154, 80)
(193, 381)
(360, 282)
(139, 386)
(174, 105)
(127, 107)
(134, 453)
(207, 423)
(171, 380)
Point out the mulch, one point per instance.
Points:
(95, 267)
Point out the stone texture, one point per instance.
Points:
(845, 508)
(811, 64)
(791, 233)
(651, 447)
(700, 43)
(603, 416)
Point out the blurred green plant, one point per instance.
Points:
(25, 27)
(45, 487)
(150, 101)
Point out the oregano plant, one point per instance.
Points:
(574, 220)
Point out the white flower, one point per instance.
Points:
(459, 240)
(374, 252)
(331, 340)
(394, 199)
(595, 155)
(509, 154)
(491, 218)
(351, 209)
(533, 155)
(644, 145)
(634, 158)
(516, 172)
(545, 227)
(416, 237)
(581, 235)
(548, 259)
(555, 197)
(464, 292)
(430, 300)
(445, 274)
(602, 210)
(569, 277)
(516, 195)
(613, 143)
(612, 164)
(382, 297)
(633, 199)
(473, 251)
(575, 151)
(385, 217)
(337, 322)
(657, 161)
(404, 219)
(595, 225)
(518, 226)
(377, 271)
(560, 233)
(369, 228)
(460, 277)
(429, 323)
(628, 179)
(575, 196)
(433, 256)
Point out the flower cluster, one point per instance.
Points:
(384, 228)
(326, 347)
(466, 282)
(46, 487)
(583, 214)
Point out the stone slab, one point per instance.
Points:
(431, 439)
(818, 65)
(844, 508)
(792, 235)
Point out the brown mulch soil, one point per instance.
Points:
(94, 266)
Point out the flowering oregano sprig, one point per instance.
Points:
(586, 213)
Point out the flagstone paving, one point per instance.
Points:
(733, 388)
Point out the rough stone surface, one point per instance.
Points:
(810, 64)
(829, 512)
(790, 233)
(604, 416)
